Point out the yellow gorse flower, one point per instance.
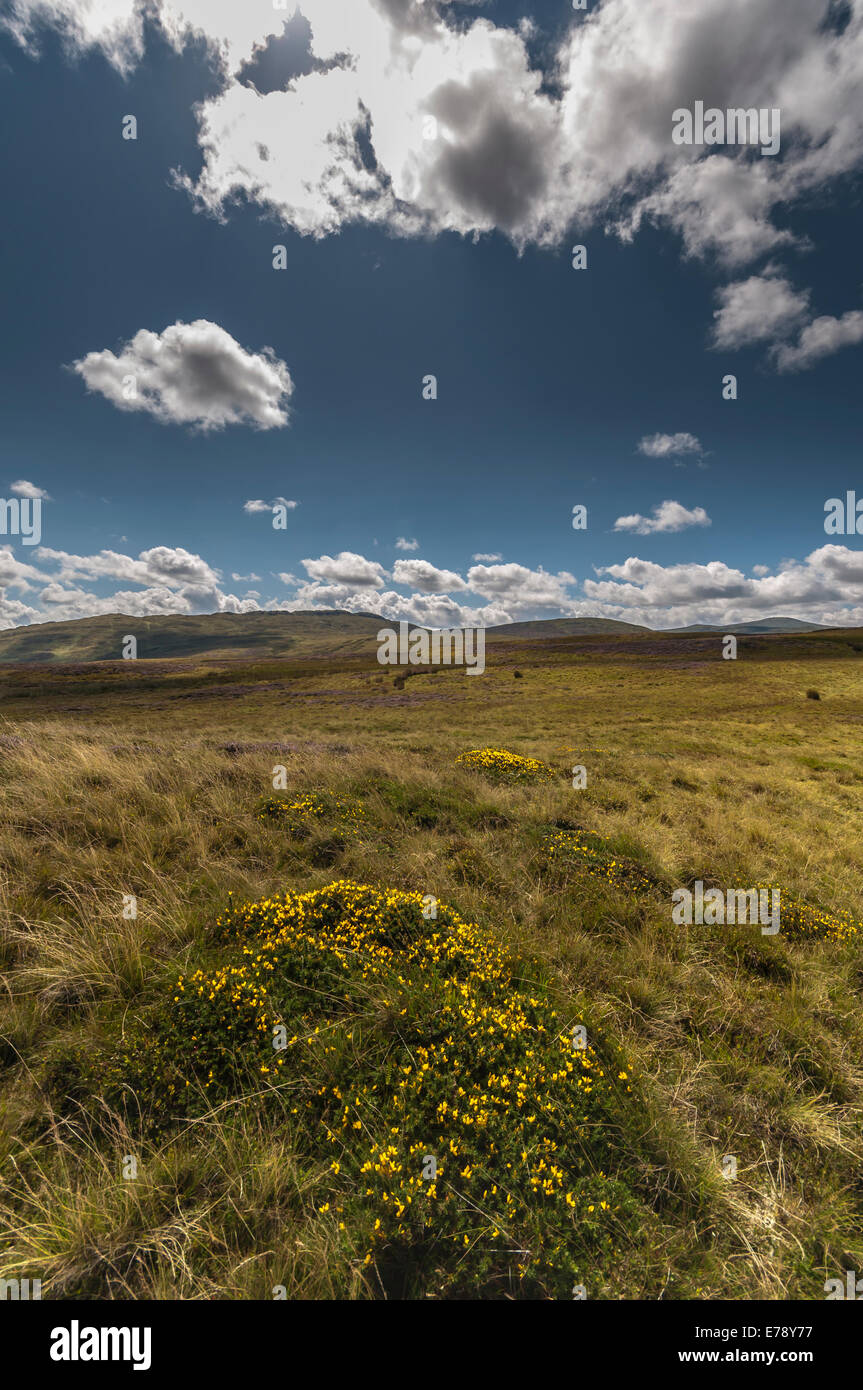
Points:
(511, 767)
(478, 1072)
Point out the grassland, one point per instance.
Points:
(151, 778)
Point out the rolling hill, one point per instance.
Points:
(225, 636)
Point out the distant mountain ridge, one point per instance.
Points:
(584, 627)
(762, 625)
(303, 635)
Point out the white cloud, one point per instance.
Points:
(583, 142)
(14, 613)
(429, 610)
(481, 558)
(663, 446)
(24, 489)
(516, 588)
(246, 578)
(347, 568)
(825, 587)
(402, 544)
(593, 146)
(257, 505)
(766, 308)
(668, 516)
(171, 566)
(638, 62)
(356, 584)
(644, 584)
(720, 206)
(820, 338)
(192, 374)
(14, 573)
(168, 579)
(115, 26)
(427, 578)
(298, 152)
(511, 155)
(758, 310)
(171, 580)
(62, 601)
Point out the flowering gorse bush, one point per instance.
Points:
(802, 921)
(301, 814)
(589, 854)
(503, 766)
(469, 1138)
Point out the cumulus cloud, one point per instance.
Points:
(427, 578)
(61, 602)
(114, 26)
(347, 568)
(257, 505)
(516, 588)
(409, 115)
(160, 565)
(638, 62)
(490, 559)
(355, 584)
(16, 574)
(427, 610)
(820, 338)
(757, 310)
(402, 544)
(511, 152)
(166, 579)
(766, 308)
(663, 446)
(348, 138)
(424, 127)
(14, 613)
(192, 374)
(825, 587)
(643, 583)
(719, 206)
(24, 489)
(668, 516)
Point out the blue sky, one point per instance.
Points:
(452, 256)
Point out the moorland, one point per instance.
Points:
(296, 998)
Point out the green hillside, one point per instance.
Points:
(209, 634)
(228, 636)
